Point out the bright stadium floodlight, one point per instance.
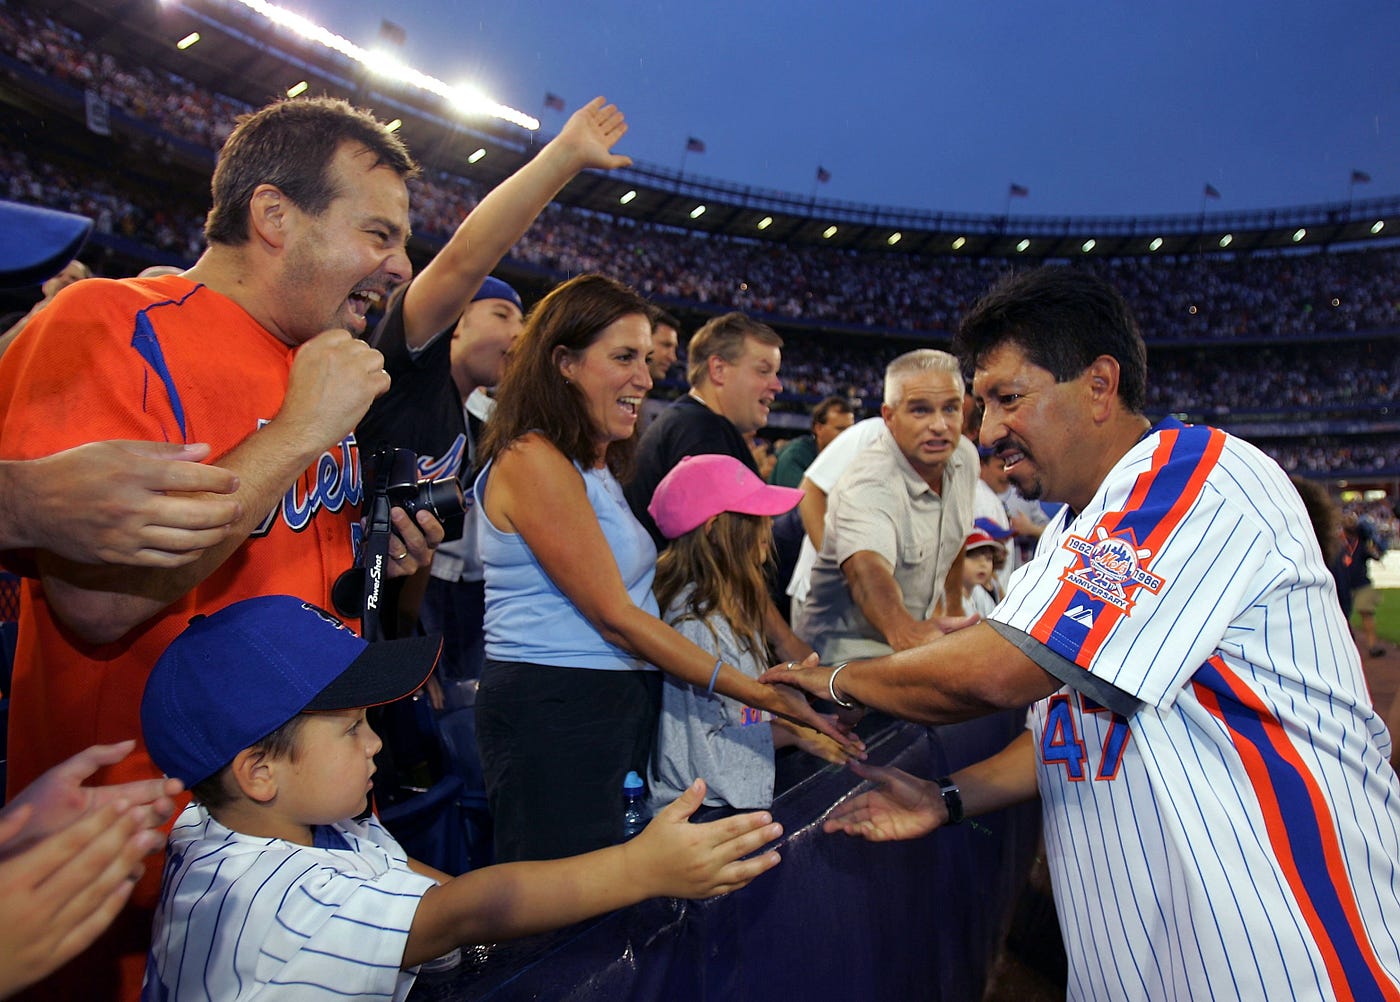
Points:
(1227, 240)
(468, 98)
(1156, 244)
(1377, 226)
(765, 222)
(475, 157)
(894, 238)
(628, 197)
(1088, 245)
(1299, 234)
(384, 65)
(187, 41)
(829, 232)
(959, 243)
(697, 212)
(298, 89)
(1023, 246)
(394, 126)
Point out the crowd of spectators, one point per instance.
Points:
(1208, 297)
(1354, 455)
(1215, 297)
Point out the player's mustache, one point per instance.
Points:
(1009, 445)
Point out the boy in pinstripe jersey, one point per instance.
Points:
(1221, 819)
(278, 883)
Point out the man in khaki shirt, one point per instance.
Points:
(888, 576)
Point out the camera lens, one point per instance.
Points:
(442, 497)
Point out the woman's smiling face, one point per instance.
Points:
(611, 374)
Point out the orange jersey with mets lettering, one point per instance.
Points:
(166, 360)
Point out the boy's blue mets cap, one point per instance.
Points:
(233, 677)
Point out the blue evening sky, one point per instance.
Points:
(1096, 106)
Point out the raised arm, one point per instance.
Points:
(437, 296)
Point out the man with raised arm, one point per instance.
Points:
(445, 336)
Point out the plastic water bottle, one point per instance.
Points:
(634, 806)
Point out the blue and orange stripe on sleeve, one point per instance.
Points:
(1159, 500)
(1300, 830)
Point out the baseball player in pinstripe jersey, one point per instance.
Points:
(1221, 820)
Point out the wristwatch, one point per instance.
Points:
(952, 799)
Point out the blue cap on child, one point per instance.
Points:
(699, 487)
(233, 677)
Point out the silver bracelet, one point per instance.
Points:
(831, 688)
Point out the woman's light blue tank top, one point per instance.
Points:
(529, 619)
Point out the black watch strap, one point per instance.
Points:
(952, 799)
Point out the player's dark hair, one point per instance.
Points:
(1061, 319)
(290, 145)
(533, 394)
(214, 792)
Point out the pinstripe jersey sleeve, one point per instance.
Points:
(244, 918)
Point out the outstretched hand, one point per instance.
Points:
(140, 504)
(58, 798)
(951, 624)
(65, 888)
(792, 704)
(809, 677)
(592, 132)
(677, 859)
(900, 807)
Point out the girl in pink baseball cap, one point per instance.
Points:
(710, 586)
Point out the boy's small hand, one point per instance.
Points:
(683, 860)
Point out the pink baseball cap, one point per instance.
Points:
(700, 486)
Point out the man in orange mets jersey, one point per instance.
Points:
(1221, 819)
(253, 351)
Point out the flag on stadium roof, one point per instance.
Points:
(392, 34)
(553, 100)
(693, 145)
(1210, 191)
(1360, 177)
(1018, 190)
(823, 175)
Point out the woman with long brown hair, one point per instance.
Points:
(569, 693)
